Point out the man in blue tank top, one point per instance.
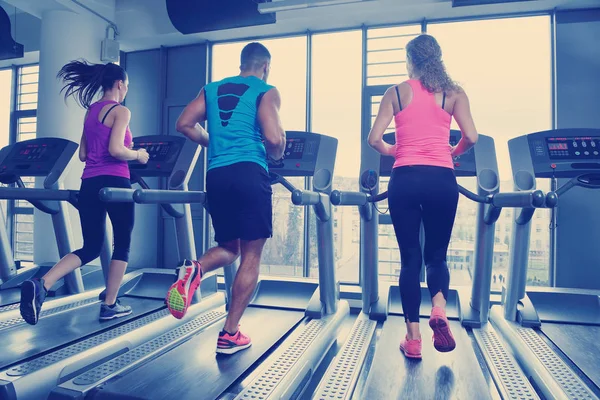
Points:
(243, 119)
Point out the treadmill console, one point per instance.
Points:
(464, 165)
(36, 157)
(164, 152)
(563, 153)
(304, 154)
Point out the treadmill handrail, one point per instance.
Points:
(116, 195)
(12, 193)
(166, 199)
(523, 199)
(120, 195)
(349, 198)
(276, 178)
(520, 199)
(588, 181)
(305, 197)
(299, 197)
(38, 197)
(154, 196)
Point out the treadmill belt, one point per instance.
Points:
(454, 375)
(9, 297)
(25, 340)
(580, 343)
(193, 370)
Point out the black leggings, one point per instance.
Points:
(429, 195)
(92, 213)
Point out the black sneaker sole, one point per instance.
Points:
(28, 308)
(116, 316)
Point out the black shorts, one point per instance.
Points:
(240, 202)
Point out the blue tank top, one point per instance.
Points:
(232, 114)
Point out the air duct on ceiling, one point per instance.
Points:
(195, 16)
(9, 48)
(288, 5)
(463, 3)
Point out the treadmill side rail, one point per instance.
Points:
(36, 378)
(339, 382)
(79, 386)
(508, 376)
(289, 369)
(553, 377)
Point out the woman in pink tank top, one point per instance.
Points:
(105, 148)
(422, 187)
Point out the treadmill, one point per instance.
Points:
(69, 339)
(370, 365)
(48, 158)
(292, 324)
(554, 332)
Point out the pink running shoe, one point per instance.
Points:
(230, 344)
(443, 341)
(411, 348)
(180, 294)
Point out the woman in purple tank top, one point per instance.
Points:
(422, 187)
(106, 147)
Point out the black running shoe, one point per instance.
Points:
(33, 294)
(116, 311)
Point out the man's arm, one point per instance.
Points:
(270, 123)
(189, 121)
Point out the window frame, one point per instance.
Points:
(15, 116)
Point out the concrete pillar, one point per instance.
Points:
(65, 36)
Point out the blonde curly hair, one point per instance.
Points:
(425, 55)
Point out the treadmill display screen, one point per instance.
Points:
(573, 147)
(158, 151)
(294, 148)
(33, 153)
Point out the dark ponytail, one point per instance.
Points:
(84, 80)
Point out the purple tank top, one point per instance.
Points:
(97, 136)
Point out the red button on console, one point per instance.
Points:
(456, 164)
(298, 165)
(553, 166)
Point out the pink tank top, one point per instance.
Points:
(422, 131)
(97, 136)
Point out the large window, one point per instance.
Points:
(6, 77)
(283, 254)
(26, 128)
(505, 67)
(336, 111)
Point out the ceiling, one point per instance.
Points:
(145, 24)
(9, 8)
